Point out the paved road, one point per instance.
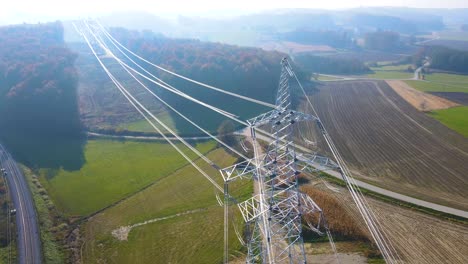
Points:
(155, 138)
(29, 243)
(364, 185)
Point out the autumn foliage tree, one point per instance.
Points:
(251, 72)
(37, 86)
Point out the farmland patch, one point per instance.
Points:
(420, 100)
(389, 143)
(454, 118)
(180, 207)
(113, 170)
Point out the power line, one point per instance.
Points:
(186, 78)
(134, 103)
(361, 203)
(175, 110)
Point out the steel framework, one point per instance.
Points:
(273, 215)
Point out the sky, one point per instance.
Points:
(18, 11)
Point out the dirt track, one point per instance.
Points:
(388, 142)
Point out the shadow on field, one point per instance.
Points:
(45, 151)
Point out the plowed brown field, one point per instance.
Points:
(389, 143)
(418, 238)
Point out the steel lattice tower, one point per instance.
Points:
(274, 213)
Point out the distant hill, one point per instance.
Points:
(291, 24)
(408, 25)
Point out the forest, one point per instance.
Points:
(38, 106)
(337, 39)
(411, 24)
(252, 72)
(382, 40)
(448, 59)
(330, 65)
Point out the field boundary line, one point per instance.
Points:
(122, 232)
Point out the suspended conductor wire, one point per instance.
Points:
(167, 86)
(382, 244)
(363, 207)
(177, 112)
(184, 77)
(132, 101)
(170, 88)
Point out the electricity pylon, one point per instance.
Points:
(273, 215)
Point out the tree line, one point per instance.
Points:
(330, 65)
(448, 59)
(38, 83)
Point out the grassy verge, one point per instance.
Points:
(49, 229)
(455, 118)
(390, 200)
(195, 237)
(113, 170)
(385, 74)
(4, 253)
(8, 246)
(143, 125)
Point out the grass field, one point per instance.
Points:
(437, 87)
(387, 67)
(110, 173)
(448, 78)
(455, 118)
(195, 237)
(386, 74)
(327, 78)
(143, 126)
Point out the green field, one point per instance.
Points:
(196, 237)
(327, 78)
(455, 118)
(455, 79)
(385, 74)
(388, 71)
(143, 125)
(113, 170)
(386, 67)
(436, 87)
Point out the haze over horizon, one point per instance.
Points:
(31, 11)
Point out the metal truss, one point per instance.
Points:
(273, 215)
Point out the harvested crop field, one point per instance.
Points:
(417, 237)
(457, 97)
(420, 100)
(389, 143)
